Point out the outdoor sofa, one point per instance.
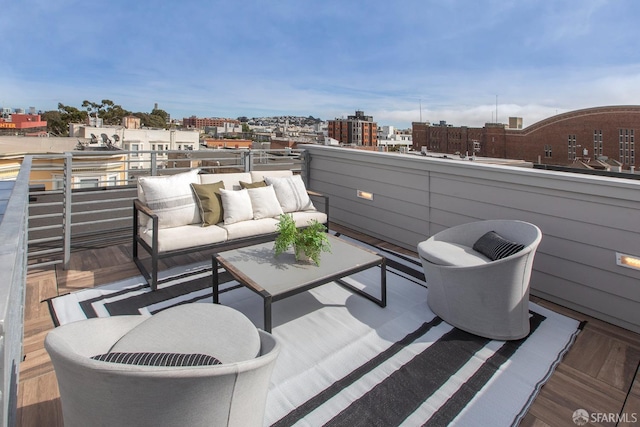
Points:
(192, 211)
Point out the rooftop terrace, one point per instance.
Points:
(585, 220)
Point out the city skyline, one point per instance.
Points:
(466, 63)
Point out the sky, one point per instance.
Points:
(467, 62)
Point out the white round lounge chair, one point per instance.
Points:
(472, 292)
(95, 392)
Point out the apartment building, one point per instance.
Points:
(358, 130)
(392, 138)
(140, 141)
(201, 123)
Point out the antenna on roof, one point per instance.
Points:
(420, 110)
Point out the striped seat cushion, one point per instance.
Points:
(495, 247)
(158, 359)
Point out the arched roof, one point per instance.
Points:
(612, 109)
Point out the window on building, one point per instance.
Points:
(626, 139)
(88, 183)
(597, 143)
(134, 148)
(632, 148)
(572, 147)
(547, 151)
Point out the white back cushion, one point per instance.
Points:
(171, 198)
(264, 202)
(236, 206)
(291, 193)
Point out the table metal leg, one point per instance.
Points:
(383, 283)
(267, 314)
(215, 279)
(382, 301)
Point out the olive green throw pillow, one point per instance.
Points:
(209, 202)
(258, 184)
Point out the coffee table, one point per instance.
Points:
(277, 278)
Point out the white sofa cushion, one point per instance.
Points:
(291, 193)
(264, 202)
(236, 206)
(303, 218)
(171, 198)
(451, 254)
(250, 228)
(187, 236)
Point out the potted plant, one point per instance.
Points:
(308, 242)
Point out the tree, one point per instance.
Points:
(110, 113)
(58, 121)
(161, 113)
(55, 124)
(151, 120)
(107, 110)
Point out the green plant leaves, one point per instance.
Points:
(312, 239)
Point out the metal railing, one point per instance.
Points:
(13, 261)
(83, 199)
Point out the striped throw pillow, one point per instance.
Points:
(171, 198)
(158, 359)
(495, 247)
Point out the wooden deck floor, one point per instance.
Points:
(599, 374)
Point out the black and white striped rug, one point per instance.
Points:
(347, 362)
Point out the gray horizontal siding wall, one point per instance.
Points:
(585, 219)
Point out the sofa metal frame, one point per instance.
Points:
(151, 275)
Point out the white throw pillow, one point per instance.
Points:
(291, 193)
(236, 206)
(264, 202)
(171, 198)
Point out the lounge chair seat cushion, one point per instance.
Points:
(451, 254)
(231, 338)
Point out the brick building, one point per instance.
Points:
(581, 135)
(201, 123)
(359, 130)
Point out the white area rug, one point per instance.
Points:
(347, 362)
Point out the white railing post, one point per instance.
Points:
(66, 208)
(248, 160)
(154, 163)
(305, 156)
